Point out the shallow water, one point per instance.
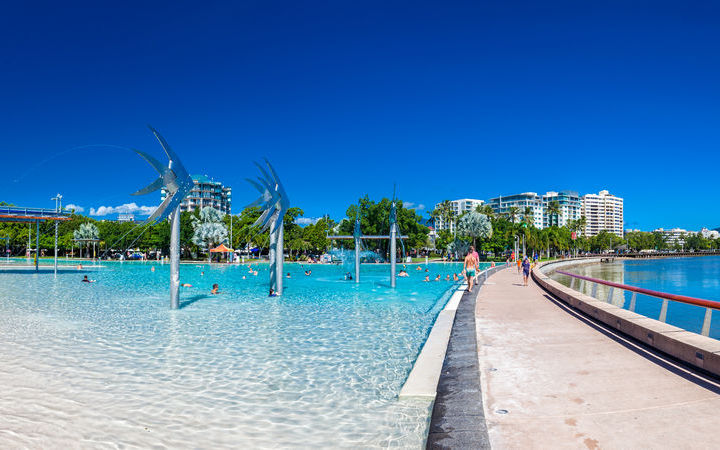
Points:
(694, 276)
(108, 364)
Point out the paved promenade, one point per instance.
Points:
(569, 383)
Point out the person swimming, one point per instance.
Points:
(427, 278)
(272, 293)
(308, 272)
(403, 273)
(418, 268)
(437, 278)
(152, 269)
(215, 289)
(348, 276)
(86, 280)
(455, 277)
(288, 275)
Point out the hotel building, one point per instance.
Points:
(460, 207)
(503, 204)
(206, 192)
(569, 204)
(602, 211)
(674, 235)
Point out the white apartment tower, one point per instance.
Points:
(602, 211)
(460, 207)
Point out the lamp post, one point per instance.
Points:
(58, 208)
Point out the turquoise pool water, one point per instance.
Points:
(109, 364)
(694, 276)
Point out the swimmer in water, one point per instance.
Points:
(215, 289)
(272, 293)
(288, 275)
(186, 285)
(152, 269)
(437, 278)
(86, 280)
(427, 278)
(403, 273)
(348, 276)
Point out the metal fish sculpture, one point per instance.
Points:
(273, 200)
(174, 178)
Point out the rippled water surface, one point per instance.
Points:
(108, 364)
(694, 276)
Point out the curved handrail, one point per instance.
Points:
(674, 297)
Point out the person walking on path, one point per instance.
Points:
(526, 270)
(470, 267)
(477, 261)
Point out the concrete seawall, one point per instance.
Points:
(692, 348)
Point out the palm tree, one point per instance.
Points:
(487, 210)
(512, 213)
(528, 215)
(87, 232)
(447, 214)
(553, 210)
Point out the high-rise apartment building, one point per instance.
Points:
(602, 211)
(520, 205)
(569, 208)
(459, 207)
(206, 192)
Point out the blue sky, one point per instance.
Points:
(445, 99)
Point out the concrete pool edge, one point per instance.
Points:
(699, 351)
(422, 382)
(423, 378)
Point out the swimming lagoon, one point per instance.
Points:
(109, 364)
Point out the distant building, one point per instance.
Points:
(602, 211)
(126, 218)
(674, 235)
(460, 207)
(710, 234)
(206, 192)
(502, 206)
(570, 208)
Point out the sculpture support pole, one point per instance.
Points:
(175, 258)
(272, 257)
(357, 259)
(393, 253)
(279, 259)
(37, 244)
(55, 259)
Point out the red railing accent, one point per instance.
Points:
(664, 295)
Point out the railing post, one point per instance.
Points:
(663, 311)
(610, 293)
(594, 290)
(572, 282)
(706, 323)
(632, 302)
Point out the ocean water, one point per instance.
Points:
(694, 276)
(108, 364)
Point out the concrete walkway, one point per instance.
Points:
(552, 379)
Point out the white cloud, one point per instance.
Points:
(127, 208)
(307, 220)
(78, 209)
(413, 205)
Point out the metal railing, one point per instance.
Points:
(33, 212)
(709, 305)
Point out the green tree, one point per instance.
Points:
(475, 225)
